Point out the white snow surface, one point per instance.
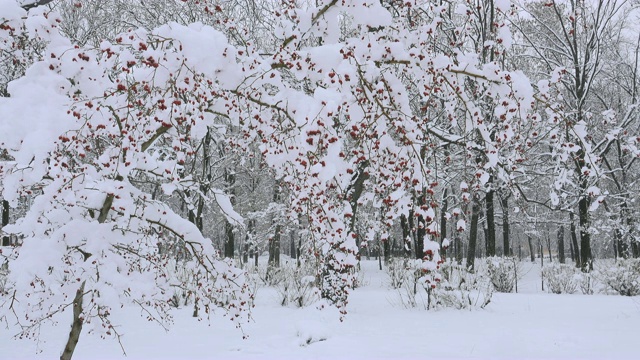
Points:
(530, 324)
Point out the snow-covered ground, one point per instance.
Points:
(530, 324)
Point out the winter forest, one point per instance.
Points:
(284, 179)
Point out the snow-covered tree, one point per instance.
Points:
(572, 43)
(84, 128)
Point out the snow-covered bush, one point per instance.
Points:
(462, 289)
(269, 275)
(623, 277)
(360, 279)
(454, 287)
(396, 270)
(299, 285)
(561, 278)
(586, 283)
(503, 272)
(181, 275)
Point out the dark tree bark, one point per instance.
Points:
(519, 248)
(549, 246)
(78, 321)
(572, 251)
(459, 249)
(274, 247)
(473, 235)
(292, 244)
(245, 250)
(299, 252)
(541, 262)
(532, 251)
(406, 234)
(229, 245)
(421, 232)
(247, 246)
(256, 254)
(354, 191)
(443, 224)
(274, 242)
(622, 246)
(490, 236)
(386, 248)
(6, 240)
(505, 226)
(561, 257)
(76, 325)
(586, 260)
(574, 238)
(619, 246)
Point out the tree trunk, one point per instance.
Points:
(574, 239)
(229, 244)
(76, 325)
(473, 235)
(490, 237)
(274, 248)
(532, 251)
(586, 260)
(561, 257)
(635, 249)
(459, 249)
(406, 234)
(505, 227)
(519, 248)
(246, 248)
(420, 235)
(386, 246)
(274, 242)
(245, 251)
(541, 263)
(484, 239)
(292, 244)
(572, 251)
(443, 224)
(549, 246)
(299, 252)
(620, 248)
(6, 240)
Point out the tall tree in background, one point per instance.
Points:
(576, 38)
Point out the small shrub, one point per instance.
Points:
(397, 273)
(503, 273)
(623, 277)
(298, 285)
(453, 287)
(271, 275)
(462, 289)
(180, 274)
(360, 280)
(561, 278)
(586, 283)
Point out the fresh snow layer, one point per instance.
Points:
(528, 325)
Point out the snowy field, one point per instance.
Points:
(529, 325)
